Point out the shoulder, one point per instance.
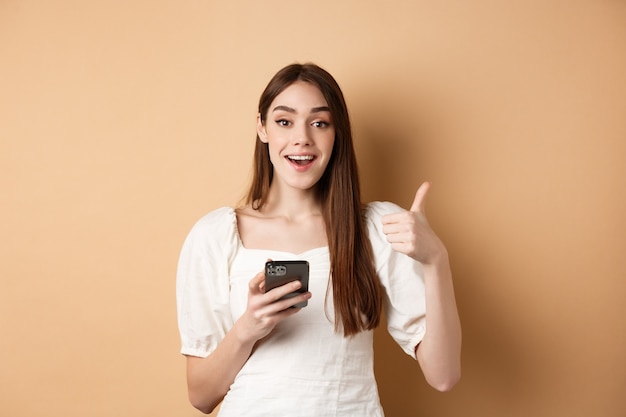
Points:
(218, 225)
(374, 213)
(217, 218)
(375, 210)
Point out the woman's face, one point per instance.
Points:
(300, 135)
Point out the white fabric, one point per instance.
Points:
(303, 368)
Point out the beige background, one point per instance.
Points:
(122, 122)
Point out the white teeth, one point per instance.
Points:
(301, 157)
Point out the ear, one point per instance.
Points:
(260, 129)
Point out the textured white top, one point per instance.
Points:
(303, 368)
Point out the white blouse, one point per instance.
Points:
(303, 368)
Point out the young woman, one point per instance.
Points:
(244, 346)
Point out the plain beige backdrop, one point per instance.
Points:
(123, 122)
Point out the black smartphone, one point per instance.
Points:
(279, 273)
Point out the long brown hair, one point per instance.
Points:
(357, 293)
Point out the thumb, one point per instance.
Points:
(419, 203)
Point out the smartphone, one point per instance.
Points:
(278, 273)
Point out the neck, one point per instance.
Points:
(291, 203)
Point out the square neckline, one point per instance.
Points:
(291, 254)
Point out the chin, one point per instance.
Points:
(304, 185)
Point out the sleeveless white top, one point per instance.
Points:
(303, 368)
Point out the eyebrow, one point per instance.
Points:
(292, 110)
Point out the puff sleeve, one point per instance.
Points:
(403, 280)
(202, 282)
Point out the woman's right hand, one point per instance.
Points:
(209, 378)
(265, 310)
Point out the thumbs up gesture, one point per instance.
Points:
(409, 231)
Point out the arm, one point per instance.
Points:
(439, 353)
(208, 379)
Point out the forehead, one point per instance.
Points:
(300, 95)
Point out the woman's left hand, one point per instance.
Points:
(409, 231)
(439, 352)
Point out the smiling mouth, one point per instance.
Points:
(300, 159)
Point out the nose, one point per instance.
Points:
(301, 135)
